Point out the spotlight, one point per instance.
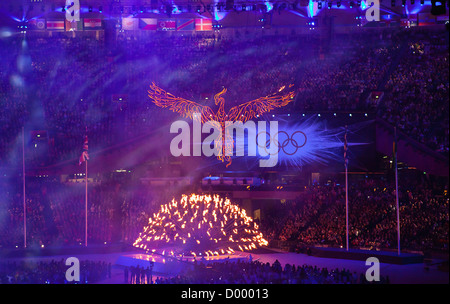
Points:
(358, 2)
(330, 4)
(403, 2)
(90, 9)
(351, 4)
(100, 9)
(319, 5)
(422, 2)
(338, 4)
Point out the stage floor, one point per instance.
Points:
(399, 274)
(389, 257)
(172, 265)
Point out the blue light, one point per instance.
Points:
(363, 5)
(217, 14)
(16, 19)
(175, 9)
(311, 9)
(322, 145)
(269, 6)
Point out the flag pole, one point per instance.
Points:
(24, 193)
(84, 158)
(346, 189)
(396, 191)
(86, 207)
(346, 204)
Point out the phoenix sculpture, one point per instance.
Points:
(242, 112)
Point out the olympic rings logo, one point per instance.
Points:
(284, 143)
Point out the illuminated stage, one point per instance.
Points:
(174, 265)
(388, 257)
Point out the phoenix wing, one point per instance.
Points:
(249, 110)
(184, 107)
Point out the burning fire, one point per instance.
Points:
(200, 225)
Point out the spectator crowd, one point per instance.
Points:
(117, 212)
(255, 272)
(87, 85)
(69, 87)
(52, 272)
(318, 217)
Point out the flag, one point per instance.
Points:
(55, 25)
(37, 24)
(345, 149)
(148, 24)
(92, 24)
(130, 24)
(202, 24)
(74, 25)
(185, 24)
(167, 25)
(84, 155)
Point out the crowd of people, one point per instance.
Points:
(56, 212)
(318, 218)
(89, 86)
(117, 211)
(256, 272)
(52, 272)
(417, 92)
